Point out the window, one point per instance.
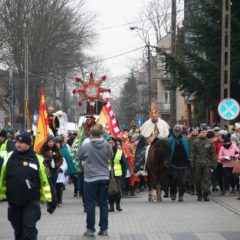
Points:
(166, 97)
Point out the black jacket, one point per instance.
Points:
(22, 179)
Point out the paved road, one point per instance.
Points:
(218, 219)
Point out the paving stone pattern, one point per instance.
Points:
(218, 219)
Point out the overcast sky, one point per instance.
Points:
(113, 21)
(115, 37)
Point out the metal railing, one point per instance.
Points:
(164, 107)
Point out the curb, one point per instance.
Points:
(226, 206)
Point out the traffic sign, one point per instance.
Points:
(228, 109)
(133, 123)
(139, 122)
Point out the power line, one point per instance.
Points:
(119, 55)
(100, 60)
(144, 20)
(117, 26)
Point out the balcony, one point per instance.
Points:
(164, 108)
(165, 77)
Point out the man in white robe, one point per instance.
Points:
(154, 127)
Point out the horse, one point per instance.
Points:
(158, 160)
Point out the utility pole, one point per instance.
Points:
(149, 73)
(11, 96)
(26, 81)
(173, 52)
(64, 94)
(226, 51)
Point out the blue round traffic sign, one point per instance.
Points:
(228, 109)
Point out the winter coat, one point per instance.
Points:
(203, 153)
(52, 157)
(71, 169)
(227, 156)
(61, 176)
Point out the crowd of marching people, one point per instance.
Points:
(187, 167)
(201, 162)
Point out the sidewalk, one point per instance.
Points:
(231, 203)
(141, 220)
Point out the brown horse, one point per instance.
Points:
(158, 161)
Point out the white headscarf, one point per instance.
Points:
(63, 120)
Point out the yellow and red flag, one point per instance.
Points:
(42, 124)
(108, 120)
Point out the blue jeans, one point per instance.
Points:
(96, 192)
(80, 183)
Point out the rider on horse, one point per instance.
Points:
(154, 128)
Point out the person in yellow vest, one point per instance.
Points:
(5, 145)
(118, 165)
(24, 183)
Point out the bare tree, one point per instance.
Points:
(154, 20)
(56, 34)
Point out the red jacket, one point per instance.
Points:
(217, 145)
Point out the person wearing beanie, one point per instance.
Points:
(52, 158)
(180, 152)
(117, 164)
(6, 145)
(24, 137)
(228, 154)
(23, 183)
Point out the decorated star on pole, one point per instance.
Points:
(90, 90)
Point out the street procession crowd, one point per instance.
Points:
(104, 168)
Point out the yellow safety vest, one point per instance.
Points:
(45, 190)
(117, 164)
(4, 146)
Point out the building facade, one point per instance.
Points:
(163, 88)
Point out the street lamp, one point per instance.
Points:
(149, 63)
(11, 96)
(26, 80)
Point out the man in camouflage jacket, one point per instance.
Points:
(203, 159)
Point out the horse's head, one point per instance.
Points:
(160, 150)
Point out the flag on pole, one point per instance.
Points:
(108, 120)
(34, 122)
(42, 124)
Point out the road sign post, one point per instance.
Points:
(228, 109)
